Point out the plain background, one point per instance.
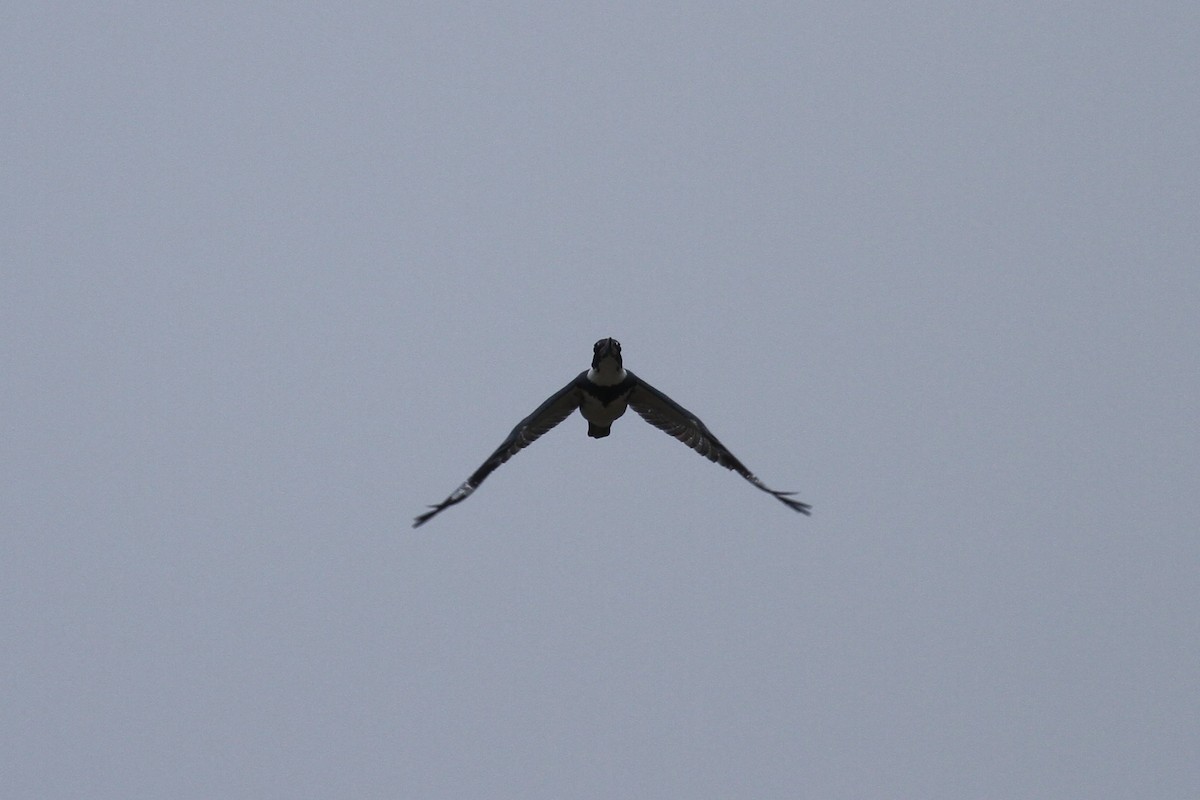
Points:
(275, 276)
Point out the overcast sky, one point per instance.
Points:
(274, 277)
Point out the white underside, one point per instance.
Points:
(608, 374)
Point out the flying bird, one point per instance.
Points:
(602, 394)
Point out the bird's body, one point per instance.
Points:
(604, 390)
(602, 394)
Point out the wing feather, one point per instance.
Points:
(557, 407)
(668, 416)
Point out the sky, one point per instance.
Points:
(277, 276)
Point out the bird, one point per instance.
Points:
(602, 395)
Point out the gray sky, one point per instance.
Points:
(275, 278)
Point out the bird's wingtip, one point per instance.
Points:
(795, 505)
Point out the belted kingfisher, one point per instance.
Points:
(602, 394)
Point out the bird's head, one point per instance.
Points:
(606, 349)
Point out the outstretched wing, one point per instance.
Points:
(557, 408)
(665, 414)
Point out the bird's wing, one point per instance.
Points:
(665, 414)
(556, 408)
